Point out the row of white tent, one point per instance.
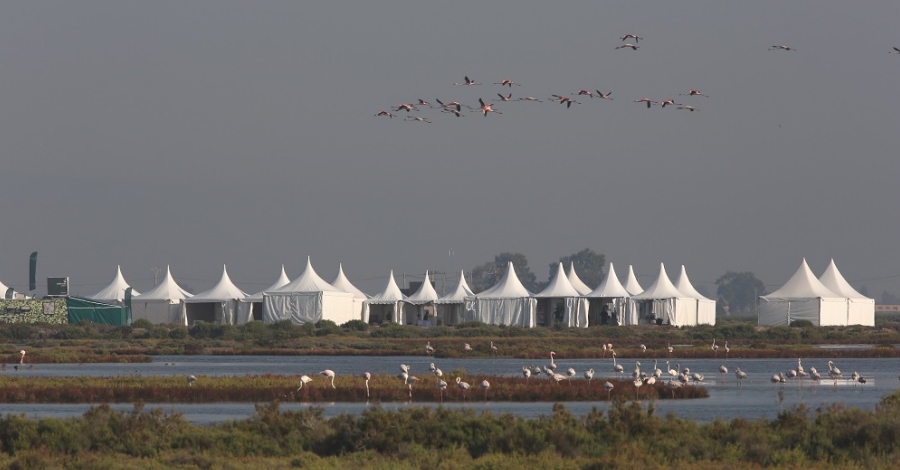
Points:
(309, 298)
(828, 300)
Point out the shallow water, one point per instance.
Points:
(756, 398)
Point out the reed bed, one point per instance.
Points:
(269, 387)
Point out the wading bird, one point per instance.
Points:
(385, 113)
(368, 377)
(740, 375)
(693, 92)
(190, 380)
(672, 386)
(617, 367)
(552, 365)
(462, 386)
(570, 372)
(526, 372)
(468, 82)
(441, 386)
(409, 381)
(723, 370)
(714, 348)
(429, 349)
(22, 359)
(304, 379)
(656, 372)
(649, 104)
(726, 342)
(329, 374)
(467, 348)
(485, 109)
(627, 45)
(485, 385)
(631, 36)
(589, 375)
(608, 387)
(637, 387)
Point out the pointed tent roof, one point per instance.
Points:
(390, 294)
(610, 286)
(459, 294)
(279, 283)
(662, 288)
(342, 283)
(509, 287)
(576, 281)
(308, 281)
(114, 291)
(631, 283)
(802, 285)
(168, 289)
(559, 286)
(425, 294)
(223, 290)
(683, 284)
(835, 282)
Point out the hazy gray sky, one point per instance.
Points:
(203, 133)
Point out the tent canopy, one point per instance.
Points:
(802, 285)
(168, 289)
(509, 287)
(683, 284)
(390, 294)
(222, 291)
(835, 282)
(631, 283)
(610, 286)
(282, 281)
(114, 291)
(308, 281)
(426, 293)
(576, 281)
(342, 283)
(559, 286)
(459, 294)
(662, 288)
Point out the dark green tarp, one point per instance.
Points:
(97, 312)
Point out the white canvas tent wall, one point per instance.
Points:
(506, 303)
(308, 299)
(112, 293)
(631, 283)
(453, 308)
(415, 313)
(706, 308)
(560, 303)
(359, 297)
(576, 281)
(250, 308)
(162, 304)
(860, 309)
(803, 297)
(610, 302)
(387, 305)
(219, 304)
(663, 301)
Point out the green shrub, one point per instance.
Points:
(355, 325)
(142, 323)
(802, 324)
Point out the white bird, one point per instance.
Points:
(723, 370)
(485, 385)
(409, 381)
(428, 348)
(669, 102)
(494, 349)
(589, 374)
(330, 374)
(617, 367)
(450, 104)
(385, 113)
(656, 372)
(672, 372)
(466, 347)
(637, 386)
(814, 374)
(416, 118)
(834, 372)
(404, 368)
(190, 380)
(368, 377)
(726, 342)
(438, 373)
(441, 386)
(552, 365)
(462, 386)
(791, 374)
(570, 372)
(740, 375)
(714, 348)
(626, 45)
(432, 367)
(529, 98)
(672, 386)
(697, 377)
(854, 376)
(669, 348)
(584, 92)
(406, 107)
(304, 379)
(649, 104)
(504, 97)
(526, 372)
(637, 370)
(468, 82)
(643, 348)
(22, 359)
(608, 387)
(650, 380)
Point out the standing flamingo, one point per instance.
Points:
(409, 381)
(304, 379)
(462, 386)
(656, 372)
(570, 372)
(637, 387)
(669, 348)
(527, 373)
(643, 348)
(467, 348)
(485, 385)
(368, 377)
(723, 370)
(617, 367)
(589, 375)
(441, 386)
(608, 387)
(740, 375)
(190, 380)
(714, 348)
(552, 365)
(429, 349)
(22, 359)
(330, 374)
(672, 386)
(726, 343)
(834, 372)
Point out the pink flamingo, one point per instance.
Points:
(626, 45)
(385, 113)
(468, 82)
(631, 36)
(506, 82)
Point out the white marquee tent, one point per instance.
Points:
(706, 308)
(387, 305)
(631, 283)
(803, 297)
(359, 297)
(420, 300)
(308, 299)
(162, 304)
(453, 308)
(663, 303)
(114, 292)
(860, 309)
(576, 281)
(561, 303)
(506, 303)
(610, 302)
(219, 304)
(250, 308)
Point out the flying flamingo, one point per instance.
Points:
(626, 45)
(691, 109)
(424, 103)
(368, 377)
(529, 98)
(190, 380)
(330, 374)
(385, 113)
(740, 375)
(781, 48)
(506, 82)
(428, 348)
(608, 387)
(617, 367)
(462, 386)
(487, 108)
(669, 101)
(441, 386)
(565, 99)
(504, 98)
(589, 375)
(485, 385)
(406, 106)
(584, 92)
(895, 51)
(450, 104)
(416, 118)
(649, 104)
(527, 373)
(468, 82)
(304, 379)
(631, 36)
(693, 92)
(454, 111)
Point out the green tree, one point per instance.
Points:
(486, 275)
(739, 290)
(588, 265)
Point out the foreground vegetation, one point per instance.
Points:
(628, 435)
(260, 388)
(138, 342)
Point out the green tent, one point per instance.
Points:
(81, 309)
